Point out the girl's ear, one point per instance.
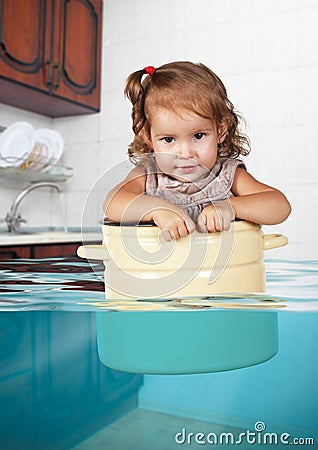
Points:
(223, 127)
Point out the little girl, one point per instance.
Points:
(186, 147)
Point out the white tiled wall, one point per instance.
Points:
(264, 51)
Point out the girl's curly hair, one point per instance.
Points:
(182, 85)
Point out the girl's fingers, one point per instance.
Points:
(226, 225)
(166, 235)
(179, 231)
(201, 223)
(212, 223)
(190, 225)
(182, 230)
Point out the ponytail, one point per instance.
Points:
(133, 88)
(135, 91)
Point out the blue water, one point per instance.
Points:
(51, 381)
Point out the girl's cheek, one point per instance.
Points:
(164, 160)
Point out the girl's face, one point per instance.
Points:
(184, 143)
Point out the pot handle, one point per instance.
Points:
(274, 241)
(93, 252)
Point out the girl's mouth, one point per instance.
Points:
(186, 169)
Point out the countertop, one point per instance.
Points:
(33, 236)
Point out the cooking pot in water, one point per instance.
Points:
(140, 265)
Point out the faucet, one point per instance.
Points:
(14, 220)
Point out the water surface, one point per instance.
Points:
(70, 284)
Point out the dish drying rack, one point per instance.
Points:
(56, 173)
(32, 170)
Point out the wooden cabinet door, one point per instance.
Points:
(39, 250)
(25, 42)
(11, 252)
(77, 26)
(51, 250)
(50, 55)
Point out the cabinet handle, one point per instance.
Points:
(57, 72)
(48, 73)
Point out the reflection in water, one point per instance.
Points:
(69, 284)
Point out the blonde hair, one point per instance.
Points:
(182, 85)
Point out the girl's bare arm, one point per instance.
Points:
(127, 202)
(258, 202)
(116, 204)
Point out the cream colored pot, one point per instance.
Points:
(140, 264)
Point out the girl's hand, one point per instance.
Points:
(174, 222)
(216, 217)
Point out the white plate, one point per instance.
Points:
(16, 144)
(54, 145)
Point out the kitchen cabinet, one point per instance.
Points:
(39, 250)
(14, 251)
(50, 55)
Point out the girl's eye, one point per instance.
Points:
(168, 139)
(199, 136)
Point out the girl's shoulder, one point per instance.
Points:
(231, 164)
(226, 169)
(135, 181)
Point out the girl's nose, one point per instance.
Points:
(186, 151)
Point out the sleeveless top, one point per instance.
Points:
(192, 196)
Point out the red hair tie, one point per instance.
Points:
(149, 70)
